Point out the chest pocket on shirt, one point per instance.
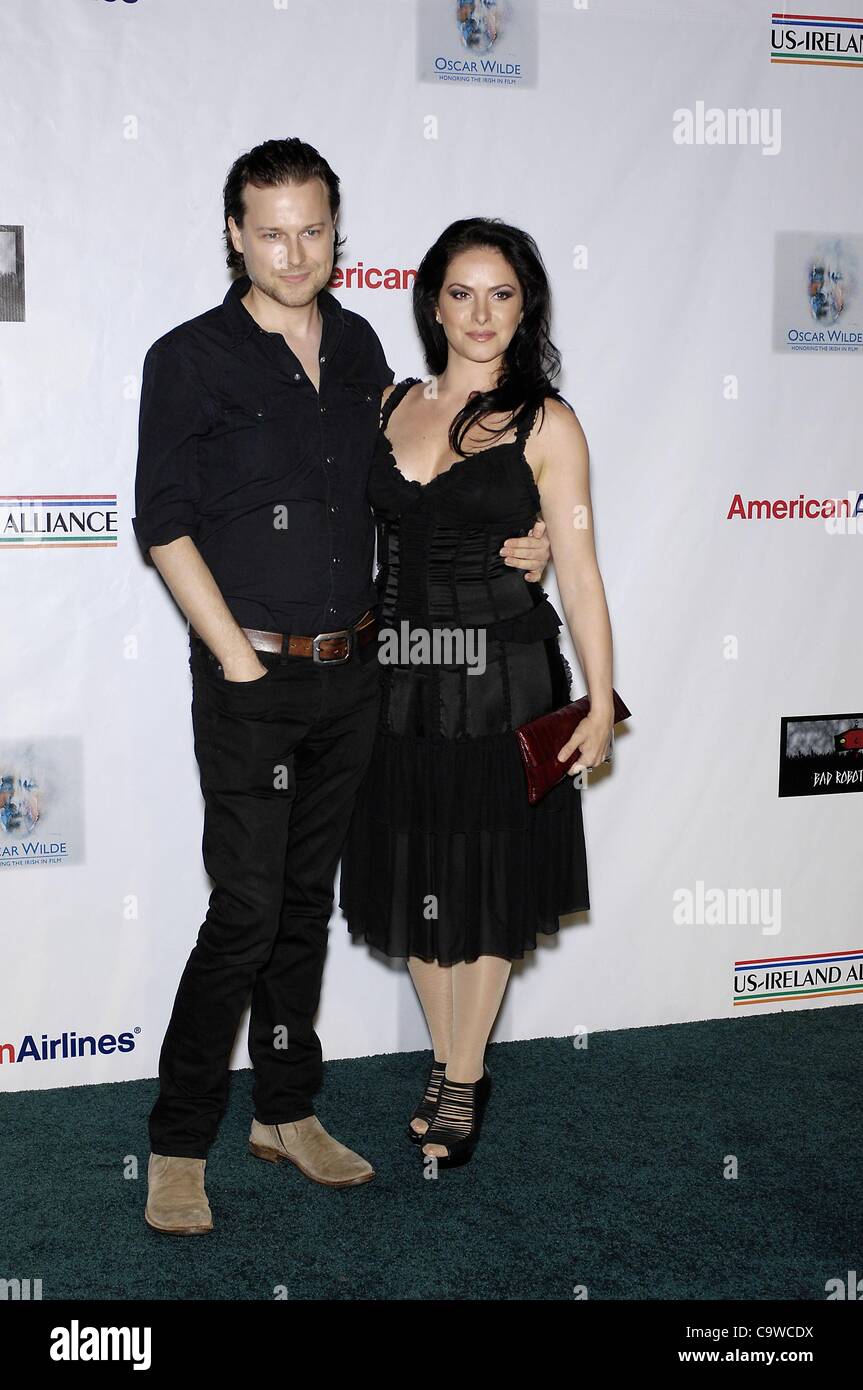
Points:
(262, 439)
(361, 393)
(244, 414)
(272, 403)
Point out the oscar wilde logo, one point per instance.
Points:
(491, 42)
(36, 520)
(41, 802)
(817, 304)
(833, 41)
(33, 1048)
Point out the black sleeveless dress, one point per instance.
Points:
(445, 858)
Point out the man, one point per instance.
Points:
(258, 421)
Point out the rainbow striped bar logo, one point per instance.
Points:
(798, 977)
(32, 521)
(828, 40)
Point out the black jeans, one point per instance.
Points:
(281, 759)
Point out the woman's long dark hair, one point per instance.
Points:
(531, 361)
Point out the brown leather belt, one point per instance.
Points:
(326, 646)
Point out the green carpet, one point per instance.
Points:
(600, 1167)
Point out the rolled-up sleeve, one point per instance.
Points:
(174, 415)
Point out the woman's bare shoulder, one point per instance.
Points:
(558, 439)
(557, 420)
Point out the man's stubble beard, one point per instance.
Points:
(293, 296)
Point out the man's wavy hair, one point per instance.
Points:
(267, 165)
(531, 361)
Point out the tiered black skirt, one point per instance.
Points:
(445, 858)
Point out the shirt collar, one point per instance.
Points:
(242, 324)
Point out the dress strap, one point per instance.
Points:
(398, 392)
(526, 426)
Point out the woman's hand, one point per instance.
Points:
(592, 737)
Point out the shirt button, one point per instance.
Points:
(329, 458)
(323, 359)
(323, 410)
(259, 413)
(336, 560)
(298, 376)
(335, 508)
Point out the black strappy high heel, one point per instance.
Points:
(458, 1119)
(428, 1105)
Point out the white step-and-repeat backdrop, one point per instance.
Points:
(689, 170)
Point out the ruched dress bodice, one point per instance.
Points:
(439, 544)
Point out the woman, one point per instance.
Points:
(446, 862)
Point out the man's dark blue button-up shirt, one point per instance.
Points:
(268, 476)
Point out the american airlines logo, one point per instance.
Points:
(372, 277)
(69, 1045)
(830, 510)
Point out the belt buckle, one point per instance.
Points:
(347, 633)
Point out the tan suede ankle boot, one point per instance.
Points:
(306, 1144)
(176, 1202)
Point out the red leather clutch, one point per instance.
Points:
(541, 740)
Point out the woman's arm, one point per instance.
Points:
(560, 459)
